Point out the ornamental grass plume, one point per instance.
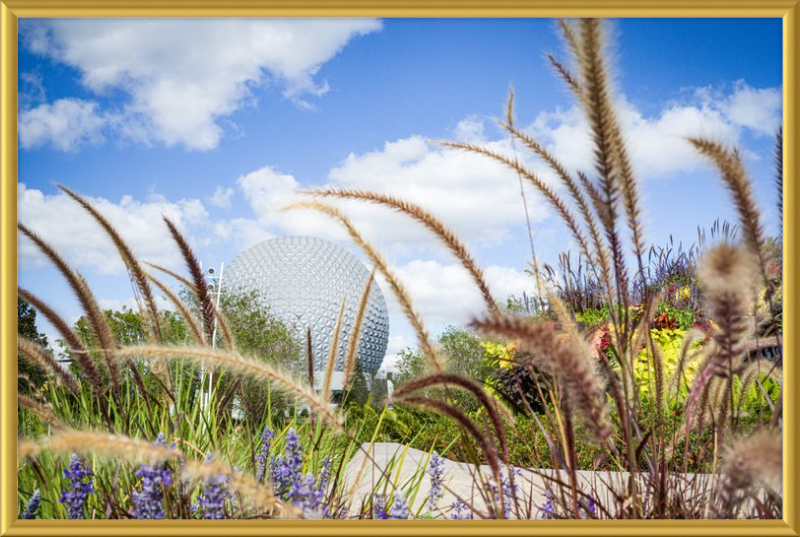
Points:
(80, 484)
(758, 458)
(428, 220)
(457, 381)
(571, 368)
(38, 356)
(103, 444)
(731, 168)
(352, 344)
(137, 274)
(200, 285)
(727, 275)
(333, 352)
(76, 347)
(755, 460)
(91, 307)
(148, 503)
(180, 307)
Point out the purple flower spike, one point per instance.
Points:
(461, 511)
(508, 491)
(263, 454)
(215, 492)
(287, 472)
(325, 473)
(399, 508)
(548, 511)
(32, 507)
(589, 507)
(148, 503)
(379, 507)
(436, 473)
(79, 486)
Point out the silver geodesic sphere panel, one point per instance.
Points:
(304, 280)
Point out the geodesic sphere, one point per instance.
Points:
(304, 280)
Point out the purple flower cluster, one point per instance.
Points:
(436, 473)
(314, 490)
(287, 472)
(79, 486)
(507, 489)
(304, 491)
(148, 503)
(399, 508)
(588, 507)
(32, 507)
(212, 499)
(263, 453)
(548, 511)
(379, 507)
(460, 511)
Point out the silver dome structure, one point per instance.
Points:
(304, 280)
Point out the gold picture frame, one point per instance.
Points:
(10, 10)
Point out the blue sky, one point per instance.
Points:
(218, 123)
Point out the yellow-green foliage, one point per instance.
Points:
(498, 354)
(669, 342)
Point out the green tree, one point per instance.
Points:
(358, 394)
(410, 364)
(129, 327)
(464, 354)
(262, 336)
(26, 327)
(379, 389)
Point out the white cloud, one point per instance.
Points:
(268, 191)
(396, 344)
(66, 125)
(453, 185)
(470, 130)
(445, 293)
(221, 197)
(479, 198)
(242, 232)
(657, 145)
(757, 109)
(76, 235)
(476, 197)
(184, 75)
